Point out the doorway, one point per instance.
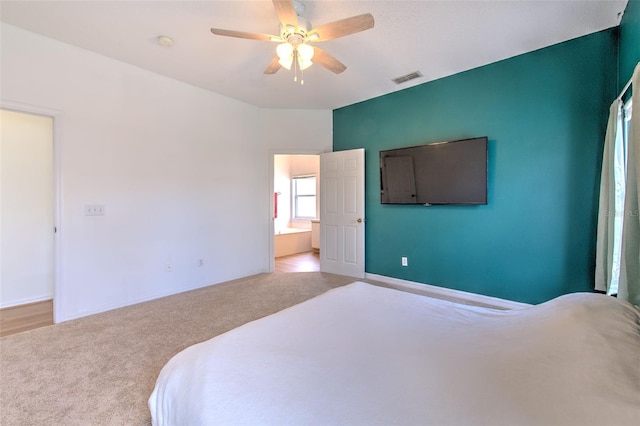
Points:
(296, 196)
(27, 244)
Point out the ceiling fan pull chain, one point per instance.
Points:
(296, 66)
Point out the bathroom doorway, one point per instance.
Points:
(296, 197)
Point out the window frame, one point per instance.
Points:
(295, 196)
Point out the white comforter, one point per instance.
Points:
(365, 355)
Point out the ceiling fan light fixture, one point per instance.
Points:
(305, 52)
(286, 63)
(285, 53)
(304, 63)
(284, 50)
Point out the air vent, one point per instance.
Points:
(405, 78)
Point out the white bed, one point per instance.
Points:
(366, 355)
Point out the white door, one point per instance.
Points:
(342, 213)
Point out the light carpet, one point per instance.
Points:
(101, 369)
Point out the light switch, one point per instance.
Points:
(94, 210)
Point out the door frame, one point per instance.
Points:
(271, 227)
(56, 117)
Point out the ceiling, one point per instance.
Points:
(437, 38)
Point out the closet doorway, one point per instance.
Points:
(27, 248)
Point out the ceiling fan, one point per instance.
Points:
(296, 34)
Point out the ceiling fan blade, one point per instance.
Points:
(329, 62)
(286, 12)
(274, 66)
(241, 34)
(343, 27)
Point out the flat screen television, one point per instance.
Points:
(452, 172)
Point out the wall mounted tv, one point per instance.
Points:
(438, 173)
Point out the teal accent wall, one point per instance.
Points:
(545, 115)
(629, 41)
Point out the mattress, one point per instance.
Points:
(367, 355)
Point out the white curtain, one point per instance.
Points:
(618, 234)
(629, 285)
(609, 214)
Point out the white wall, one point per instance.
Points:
(184, 174)
(282, 185)
(287, 131)
(26, 213)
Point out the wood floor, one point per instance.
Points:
(303, 262)
(25, 317)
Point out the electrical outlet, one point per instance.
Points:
(405, 262)
(200, 262)
(169, 267)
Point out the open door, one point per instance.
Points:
(342, 213)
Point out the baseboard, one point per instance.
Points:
(450, 294)
(25, 301)
(25, 317)
(147, 298)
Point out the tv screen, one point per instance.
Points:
(438, 173)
